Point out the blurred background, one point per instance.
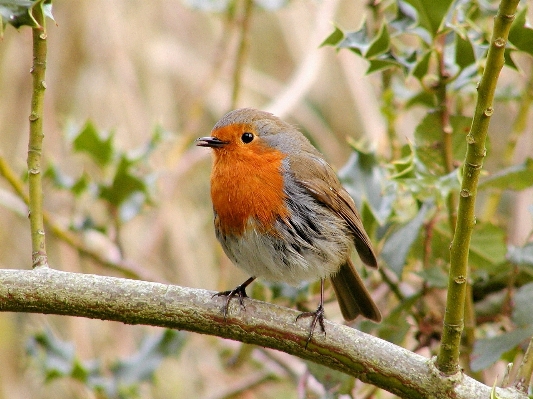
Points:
(134, 68)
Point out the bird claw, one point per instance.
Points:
(318, 316)
(239, 292)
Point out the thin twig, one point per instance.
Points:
(242, 51)
(35, 145)
(519, 127)
(525, 370)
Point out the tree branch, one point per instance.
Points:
(370, 359)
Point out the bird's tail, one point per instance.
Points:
(352, 295)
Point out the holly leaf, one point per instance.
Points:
(487, 245)
(434, 277)
(516, 177)
(421, 67)
(128, 191)
(152, 350)
(521, 34)
(488, 351)
(464, 51)
(20, 13)
(364, 178)
(97, 145)
(429, 141)
(380, 44)
(430, 13)
(398, 244)
(334, 38)
(358, 41)
(523, 299)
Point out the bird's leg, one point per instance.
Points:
(318, 315)
(239, 292)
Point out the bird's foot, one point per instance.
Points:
(318, 316)
(239, 292)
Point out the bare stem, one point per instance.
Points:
(448, 357)
(242, 51)
(519, 127)
(443, 107)
(39, 257)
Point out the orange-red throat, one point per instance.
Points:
(246, 181)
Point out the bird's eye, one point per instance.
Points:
(247, 137)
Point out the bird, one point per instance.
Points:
(281, 213)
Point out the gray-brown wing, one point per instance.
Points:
(317, 176)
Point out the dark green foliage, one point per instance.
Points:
(121, 379)
(120, 179)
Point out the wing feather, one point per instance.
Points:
(317, 176)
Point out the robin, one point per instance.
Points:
(280, 212)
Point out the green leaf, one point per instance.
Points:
(358, 41)
(521, 255)
(55, 357)
(516, 177)
(364, 178)
(333, 39)
(434, 277)
(431, 13)
(380, 44)
(464, 51)
(126, 186)
(423, 98)
(81, 185)
(395, 327)
(153, 349)
(422, 65)
(406, 21)
(19, 12)
(90, 141)
(487, 246)
(384, 61)
(523, 298)
(59, 179)
(425, 187)
(488, 351)
(398, 244)
(521, 35)
(404, 168)
(429, 141)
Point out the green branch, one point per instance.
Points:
(39, 257)
(519, 127)
(447, 360)
(242, 51)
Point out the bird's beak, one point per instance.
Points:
(212, 142)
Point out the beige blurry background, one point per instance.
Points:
(128, 66)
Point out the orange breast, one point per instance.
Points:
(247, 184)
